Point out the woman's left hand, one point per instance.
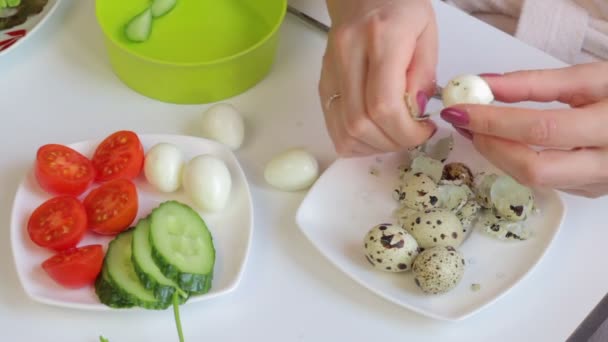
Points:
(574, 141)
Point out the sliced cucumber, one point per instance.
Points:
(140, 27)
(122, 274)
(108, 294)
(162, 7)
(182, 246)
(149, 274)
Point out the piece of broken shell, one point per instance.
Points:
(428, 166)
(441, 149)
(510, 199)
(454, 197)
(467, 214)
(457, 173)
(497, 227)
(482, 188)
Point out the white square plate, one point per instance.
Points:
(348, 200)
(231, 228)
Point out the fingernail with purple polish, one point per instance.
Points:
(422, 99)
(465, 133)
(455, 116)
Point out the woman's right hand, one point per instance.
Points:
(378, 70)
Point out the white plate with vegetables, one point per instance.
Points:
(127, 191)
(20, 19)
(355, 195)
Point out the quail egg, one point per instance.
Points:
(223, 123)
(390, 248)
(471, 89)
(418, 191)
(294, 169)
(435, 227)
(438, 270)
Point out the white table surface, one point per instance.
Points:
(58, 87)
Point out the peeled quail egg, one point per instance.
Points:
(292, 170)
(223, 123)
(390, 248)
(163, 167)
(207, 181)
(435, 227)
(470, 89)
(438, 270)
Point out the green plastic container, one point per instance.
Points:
(202, 51)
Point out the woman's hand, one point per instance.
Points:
(377, 52)
(574, 157)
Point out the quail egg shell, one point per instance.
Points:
(497, 227)
(402, 214)
(418, 191)
(467, 215)
(438, 270)
(454, 197)
(511, 200)
(390, 248)
(467, 89)
(292, 170)
(457, 173)
(223, 123)
(483, 187)
(441, 149)
(435, 227)
(428, 166)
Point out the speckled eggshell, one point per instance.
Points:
(418, 191)
(438, 270)
(389, 248)
(435, 227)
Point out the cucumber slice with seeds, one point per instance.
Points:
(148, 272)
(162, 7)
(182, 246)
(139, 28)
(122, 274)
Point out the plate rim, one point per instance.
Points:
(299, 213)
(99, 307)
(46, 14)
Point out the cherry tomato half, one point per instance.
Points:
(58, 223)
(112, 207)
(76, 267)
(120, 155)
(61, 170)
